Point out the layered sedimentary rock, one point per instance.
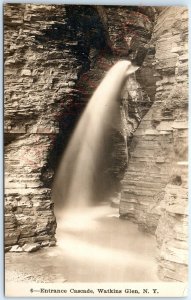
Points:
(44, 59)
(154, 188)
(55, 56)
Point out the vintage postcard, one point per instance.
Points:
(96, 166)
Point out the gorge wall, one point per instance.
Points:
(55, 56)
(154, 188)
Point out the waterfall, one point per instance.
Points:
(78, 169)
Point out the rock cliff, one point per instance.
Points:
(154, 188)
(53, 62)
(55, 57)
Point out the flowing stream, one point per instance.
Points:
(95, 247)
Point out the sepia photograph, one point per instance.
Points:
(95, 150)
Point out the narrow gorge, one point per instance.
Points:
(55, 58)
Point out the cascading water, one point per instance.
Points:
(94, 244)
(78, 169)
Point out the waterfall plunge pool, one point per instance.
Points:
(96, 246)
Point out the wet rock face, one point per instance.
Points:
(55, 56)
(154, 188)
